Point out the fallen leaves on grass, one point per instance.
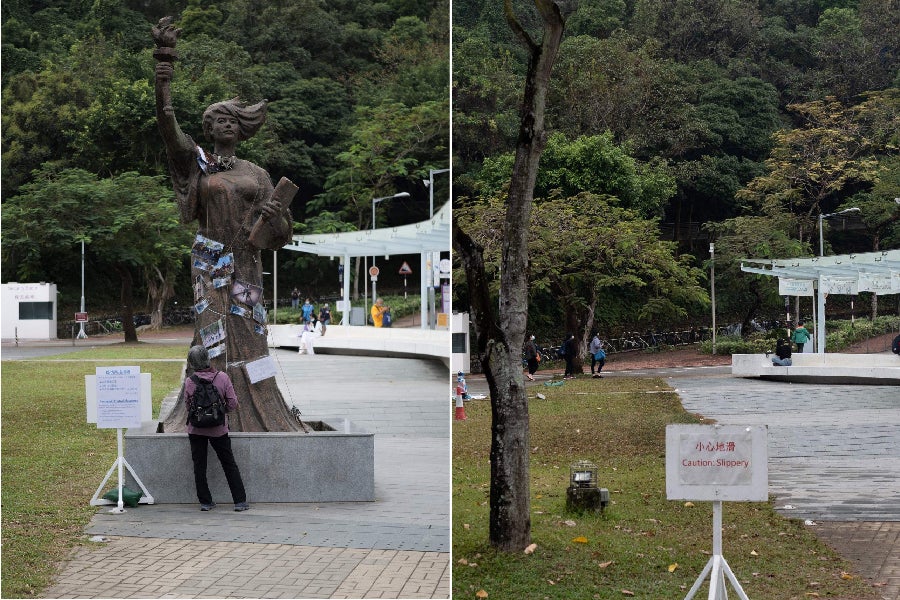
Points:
(530, 549)
(847, 576)
(627, 593)
(603, 565)
(672, 567)
(481, 594)
(580, 540)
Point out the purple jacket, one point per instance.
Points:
(223, 384)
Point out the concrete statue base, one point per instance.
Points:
(334, 463)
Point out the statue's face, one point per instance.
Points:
(224, 128)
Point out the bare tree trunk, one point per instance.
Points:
(126, 298)
(500, 341)
(159, 289)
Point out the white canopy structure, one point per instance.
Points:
(425, 238)
(848, 274)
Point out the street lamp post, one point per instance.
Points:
(81, 334)
(427, 305)
(374, 202)
(819, 313)
(430, 185)
(712, 268)
(828, 216)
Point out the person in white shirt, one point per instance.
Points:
(307, 339)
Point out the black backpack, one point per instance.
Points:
(206, 409)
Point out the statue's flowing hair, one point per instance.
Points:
(250, 118)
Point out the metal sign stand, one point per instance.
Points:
(120, 462)
(717, 568)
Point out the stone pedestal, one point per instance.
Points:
(335, 463)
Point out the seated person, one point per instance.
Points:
(307, 338)
(782, 356)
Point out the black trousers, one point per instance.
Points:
(222, 446)
(596, 361)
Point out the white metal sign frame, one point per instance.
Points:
(130, 377)
(717, 462)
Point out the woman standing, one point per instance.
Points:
(238, 213)
(571, 355)
(531, 357)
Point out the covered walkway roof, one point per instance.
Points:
(847, 274)
(877, 272)
(432, 235)
(425, 238)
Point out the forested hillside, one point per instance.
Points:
(736, 122)
(358, 95)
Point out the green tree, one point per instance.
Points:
(814, 163)
(622, 85)
(128, 223)
(589, 164)
(599, 261)
(767, 235)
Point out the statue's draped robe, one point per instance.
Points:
(226, 205)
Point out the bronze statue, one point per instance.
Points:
(238, 213)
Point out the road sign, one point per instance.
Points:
(81, 317)
(373, 271)
(405, 269)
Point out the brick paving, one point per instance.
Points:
(834, 459)
(395, 547)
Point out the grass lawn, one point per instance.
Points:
(643, 546)
(53, 460)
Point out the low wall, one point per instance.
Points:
(876, 369)
(401, 342)
(323, 466)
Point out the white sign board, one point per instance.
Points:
(260, 369)
(880, 283)
(795, 287)
(90, 388)
(118, 396)
(838, 286)
(717, 462)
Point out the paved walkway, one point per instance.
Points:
(834, 459)
(834, 455)
(395, 547)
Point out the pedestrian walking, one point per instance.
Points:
(598, 355)
(532, 357)
(800, 336)
(571, 350)
(307, 310)
(295, 298)
(201, 438)
(325, 314)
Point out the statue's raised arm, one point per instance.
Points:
(165, 34)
